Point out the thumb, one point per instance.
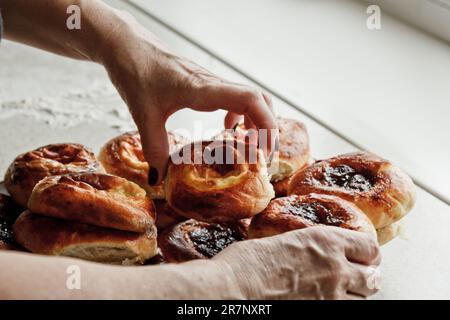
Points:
(155, 146)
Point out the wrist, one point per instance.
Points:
(106, 27)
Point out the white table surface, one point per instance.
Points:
(414, 267)
(387, 90)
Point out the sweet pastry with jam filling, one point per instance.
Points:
(123, 157)
(293, 153)
(199, 240)
(94, 198)
(9, 211)
(60, 237)
(381, 190)
(51, 160)
(218, 181)
(298, 212)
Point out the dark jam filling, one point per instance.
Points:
(317, 213)
(222, 169)
(210, 240)
(346, 177)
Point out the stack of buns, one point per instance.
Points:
(78, 212)
(105, 211)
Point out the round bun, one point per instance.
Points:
(165, 215)
(123, 157)
(55, 159)
(193, 239)
(51, 236)
(294, 150)
(389, 232)
(298, 212)
(382, 191)
(234, 186)
(94, 198)
(9, 211)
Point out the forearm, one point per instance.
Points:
(42, 23)
(25, 276)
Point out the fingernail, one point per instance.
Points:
(152, 176)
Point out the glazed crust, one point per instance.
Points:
(50, 236)
(177, 244)
(218, 192)
(55, 159)
(9, 211)
(165, 215)
(123, 156)
(94, 198)
(294, 150)
(382, 191)
(298, 212)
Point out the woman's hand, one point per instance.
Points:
(313, 263)
(155, 83)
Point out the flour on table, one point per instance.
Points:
(74, 107)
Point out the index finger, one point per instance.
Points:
(241, 100)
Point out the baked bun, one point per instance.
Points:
(193, 239)
(94, 198)
(389, 232)
(298, 212)
(230, 188)
(165, 215)
(123, 157)
(293, 153)
(55, 159)
(50, 236)
(382, 191)
(9, 211)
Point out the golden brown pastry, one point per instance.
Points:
(293, 153)
(55, 159)
(94, 198)
(193, 239)
(165, 215)
(298, 212)
(382, 191)
(123, 157)
(218, 192)
(50, 236)
(9, 211)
